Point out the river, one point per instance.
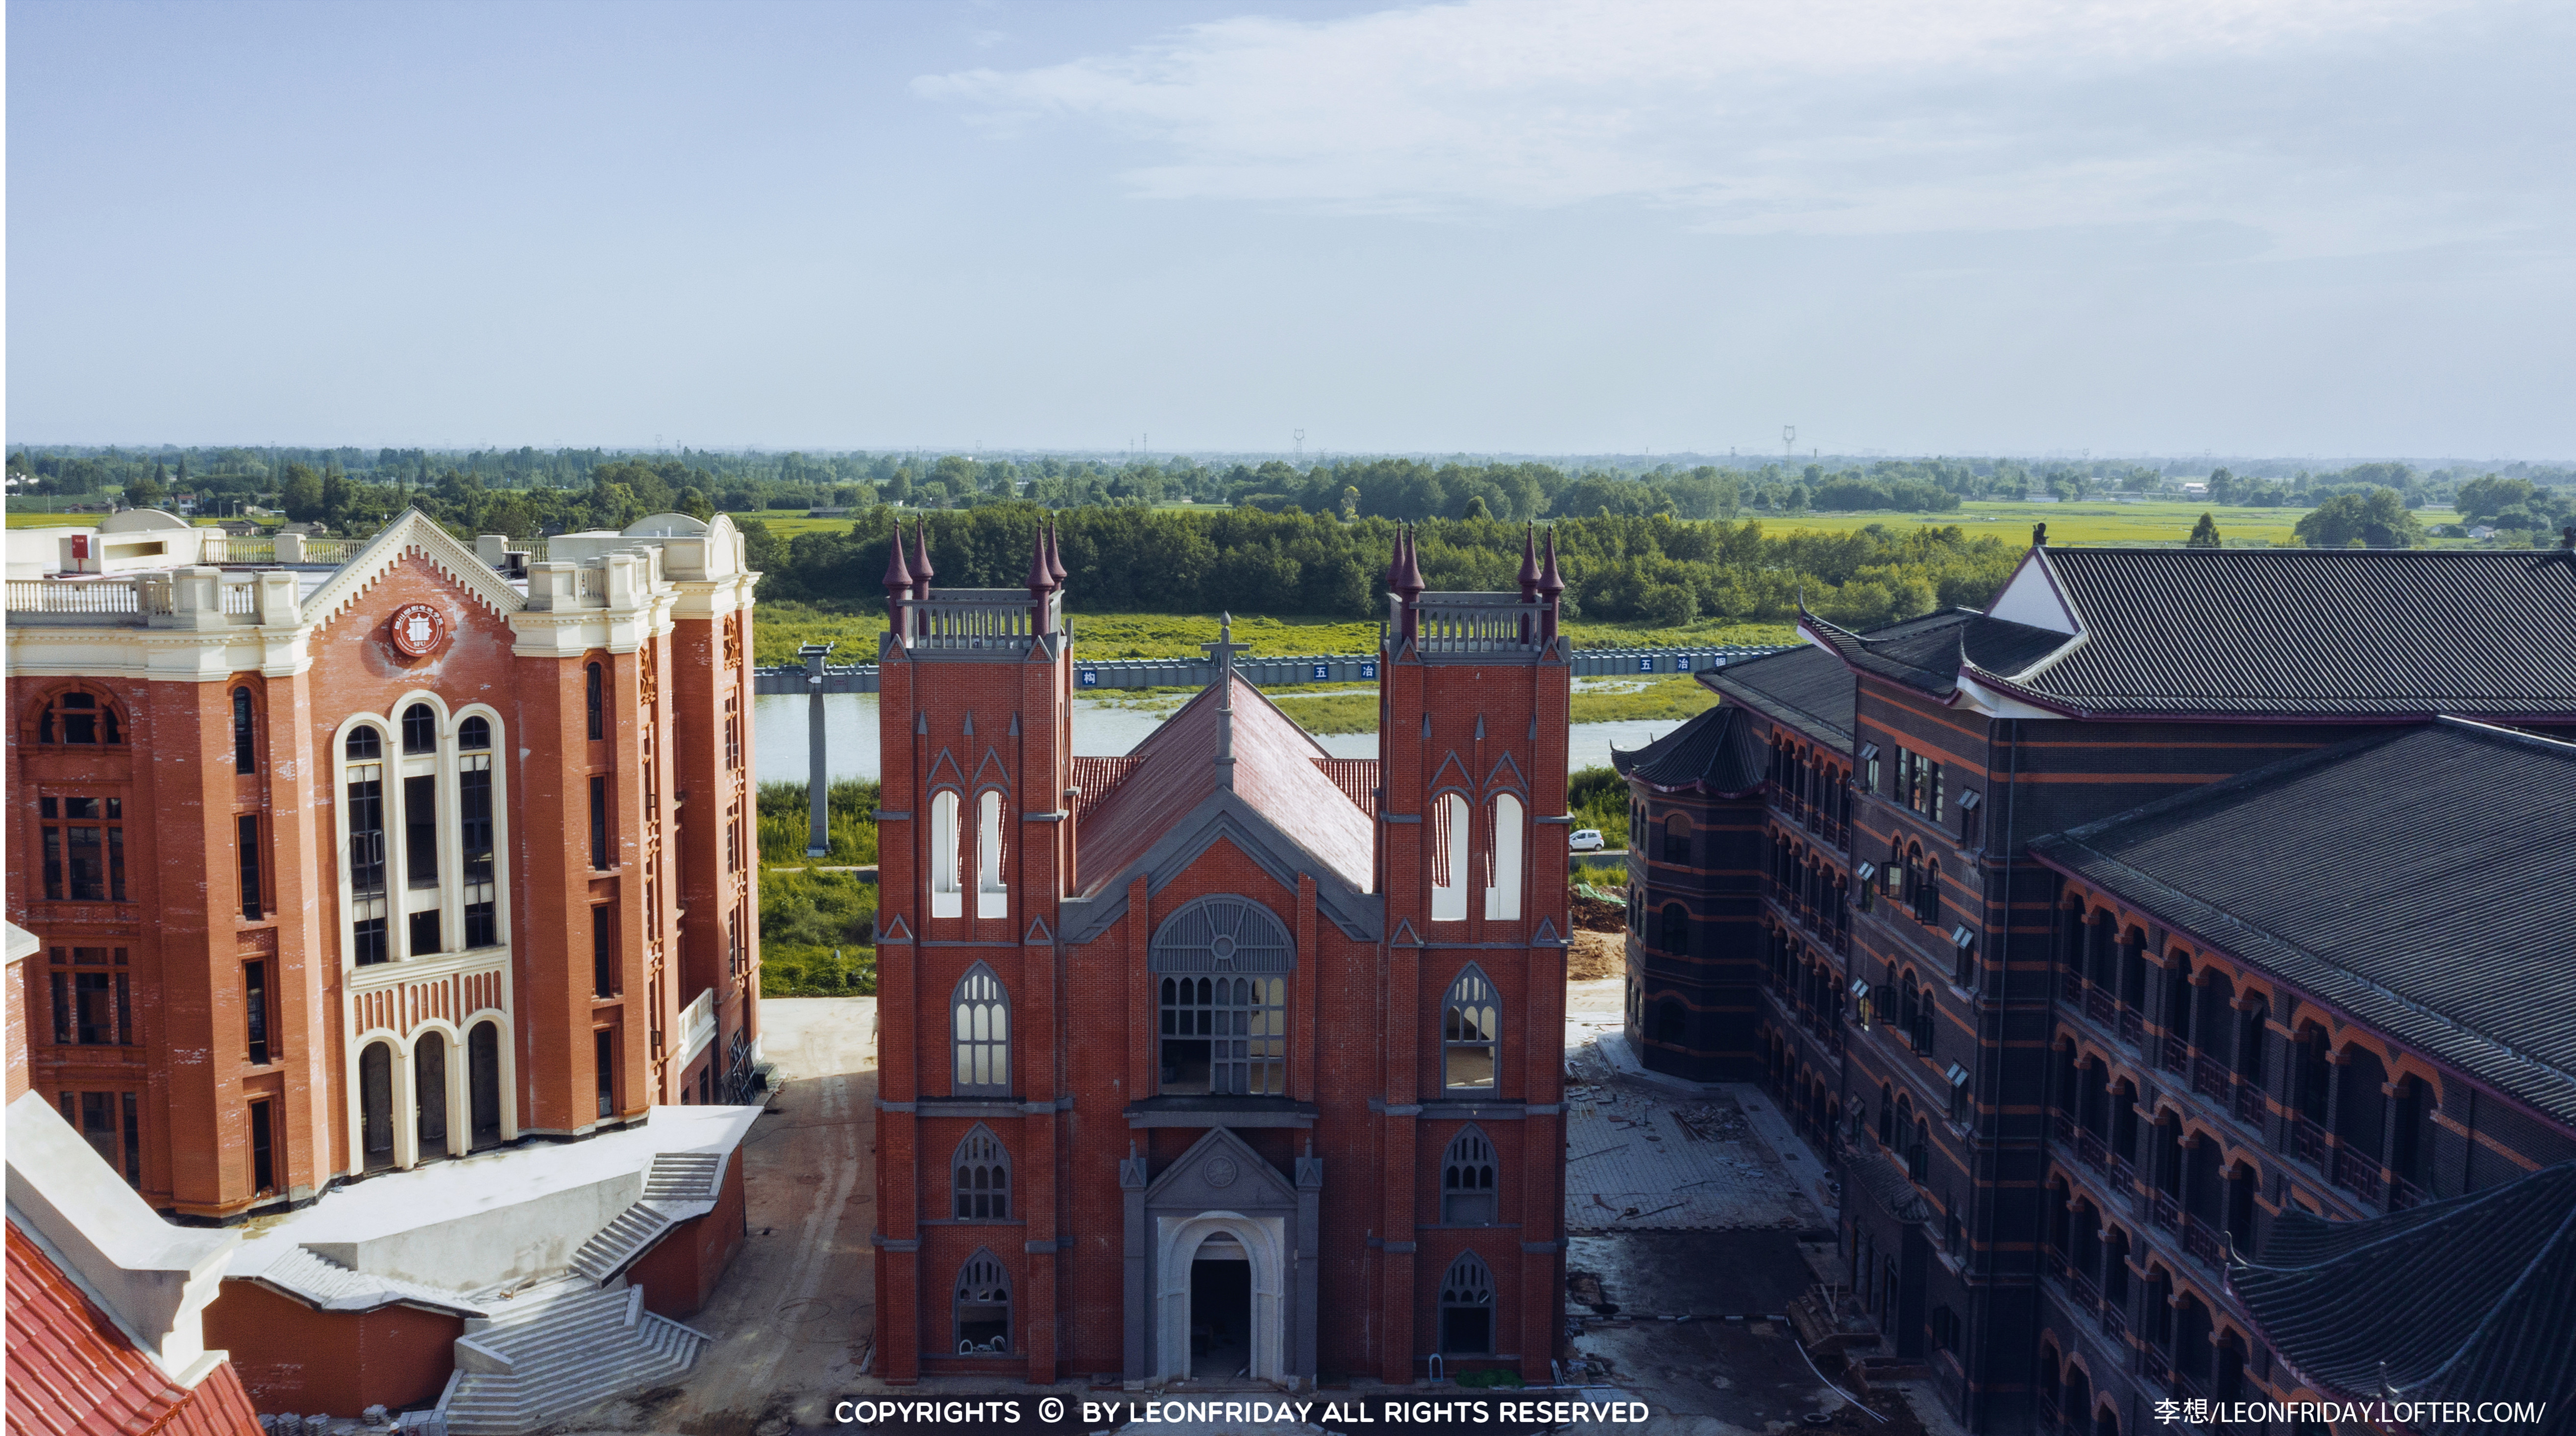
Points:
(1099, 730)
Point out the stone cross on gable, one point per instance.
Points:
(1223, 650)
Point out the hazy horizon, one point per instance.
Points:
(1572, 228)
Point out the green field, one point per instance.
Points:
(2084, 523)
(781, 627)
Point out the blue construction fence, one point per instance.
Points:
(1310, 668)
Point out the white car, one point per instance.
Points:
(1585, 840)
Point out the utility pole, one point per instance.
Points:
(1788, 444)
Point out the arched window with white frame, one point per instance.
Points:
(1503, 860)
(1449, 839)
(992, 896)
(980, 1035)
(947, 896)
(1470, 1033)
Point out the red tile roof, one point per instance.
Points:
(1277, 773)
(72, 1371)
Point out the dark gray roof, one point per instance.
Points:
(1812, 689)
(2336, 632)
(2468, 1299)
(1716, 753)
(2423, 882)
(1925, 653)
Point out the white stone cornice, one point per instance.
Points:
(412, 532)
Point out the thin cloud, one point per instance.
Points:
(1816, 116)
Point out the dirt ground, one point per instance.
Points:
(1596, 955)
(793, 1314)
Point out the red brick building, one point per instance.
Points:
(2176, 901)
(1226, 1055)
(347, 867)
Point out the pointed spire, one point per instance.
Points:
(1055, 555)
(921, 571)
(1041, 579)
(1551, 582)
(898, 574)
(1408, 578)
(1529, 564)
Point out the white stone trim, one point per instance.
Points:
(1265, 1243)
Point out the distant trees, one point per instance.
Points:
(2204, 534)
(2378, 519)
(301, 494)
(1618, 568)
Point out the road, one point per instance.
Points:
(794, 1313)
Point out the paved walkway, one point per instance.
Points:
(793, 1315)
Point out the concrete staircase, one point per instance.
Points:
(678, 1186)
(558, 1352)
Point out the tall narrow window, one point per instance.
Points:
(983, 1310)
(419, 729)
(247, 838)
(1503, 877)
(1470, 1030)
(255, 1010)
(376, 1104)
(981, 1035)
(992, 897)
(603, 1044)
(483, 1080)
(420, 832)
(1677, 839)
(474, 831)
(599, 823)
(603, 951)
(1467, 1180)
(1672, 929)
(263, 1151)
(245, 751)
(981, 1178)
(1467, 1308)
(429, 1095)
(947, 897)
(732, 732)
(593, 702)
(365, 814)
(84, 848)
(1449, 837)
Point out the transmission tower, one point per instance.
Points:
(1788, 443)
(1300, 437)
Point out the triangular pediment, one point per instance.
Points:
(894, 929)
(1506, 774)
(1039, 934)
(991, 771)
(1451, 774)
(412, 533)
(1224, 816)
(944, 769)
(1221, 1171)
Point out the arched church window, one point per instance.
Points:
(983, 1306)
(77, 715)
(1220, 967)
(1467, 1191)
(1449, 835)
(992, 897)
(1503, 861)
(982, 1177)
(1467, 1307)
(980, 1034)
(1470, 1033)
(947, 898)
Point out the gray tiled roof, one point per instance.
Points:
(2423, 882)
(2469, 1299)
(2363, 631)
(1717, 753)
(1811, 688)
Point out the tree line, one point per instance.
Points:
(1649, 568)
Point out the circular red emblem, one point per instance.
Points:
(418, 630)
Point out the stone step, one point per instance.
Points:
(683, 1177)
(613, 1246)
(569, 1356)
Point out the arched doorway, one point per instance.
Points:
(483, 1077)
(429, 1095)
(1220, 1308)
(376, 1105)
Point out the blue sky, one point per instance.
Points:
(1558, 226)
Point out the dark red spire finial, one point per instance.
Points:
(1529, 564)
(921, 570)
(1041, 579)
(1055, 555)
(898, 575)
(1551, 582)
(1408, 579)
